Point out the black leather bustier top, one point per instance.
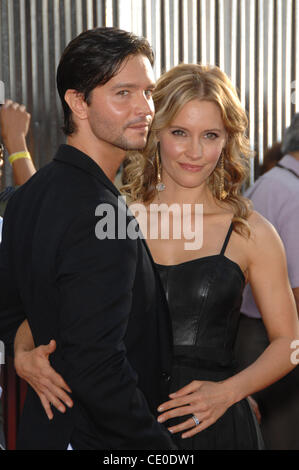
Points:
(204, 297)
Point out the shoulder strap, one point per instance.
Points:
(227, 238)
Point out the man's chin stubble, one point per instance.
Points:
(129, 146)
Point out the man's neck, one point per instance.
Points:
(108, 157)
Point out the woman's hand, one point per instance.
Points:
(34, 367)
(205, 400)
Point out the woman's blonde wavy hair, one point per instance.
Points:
(174, 89)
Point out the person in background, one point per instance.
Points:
(14, 126)
(275, 195)
(271, 157)
(1, 165)
(2, 439)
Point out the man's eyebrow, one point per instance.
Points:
(151, 86)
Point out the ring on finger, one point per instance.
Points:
(196, 420)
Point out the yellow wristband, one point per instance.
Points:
(17, 155)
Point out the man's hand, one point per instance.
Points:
(34, 367)
(14, 123)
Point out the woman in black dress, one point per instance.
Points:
(197, 153)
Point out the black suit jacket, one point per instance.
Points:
(101, 300)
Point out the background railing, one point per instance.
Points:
(256, 42)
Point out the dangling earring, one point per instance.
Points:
(159, 186)
(222, 193)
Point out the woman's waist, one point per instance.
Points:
(204, 361)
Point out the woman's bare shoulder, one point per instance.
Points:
(259, 224)
(263, 236)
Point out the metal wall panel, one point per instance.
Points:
(256, 42)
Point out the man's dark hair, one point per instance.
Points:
(92, 59)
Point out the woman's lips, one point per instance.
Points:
(189, 167)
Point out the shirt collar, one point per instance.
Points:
(74, 157)
(290, 162)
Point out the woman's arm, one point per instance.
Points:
(268, 277)
(272, 292)
(32, 364)
(296, 296)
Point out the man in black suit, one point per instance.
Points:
(101, 299)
